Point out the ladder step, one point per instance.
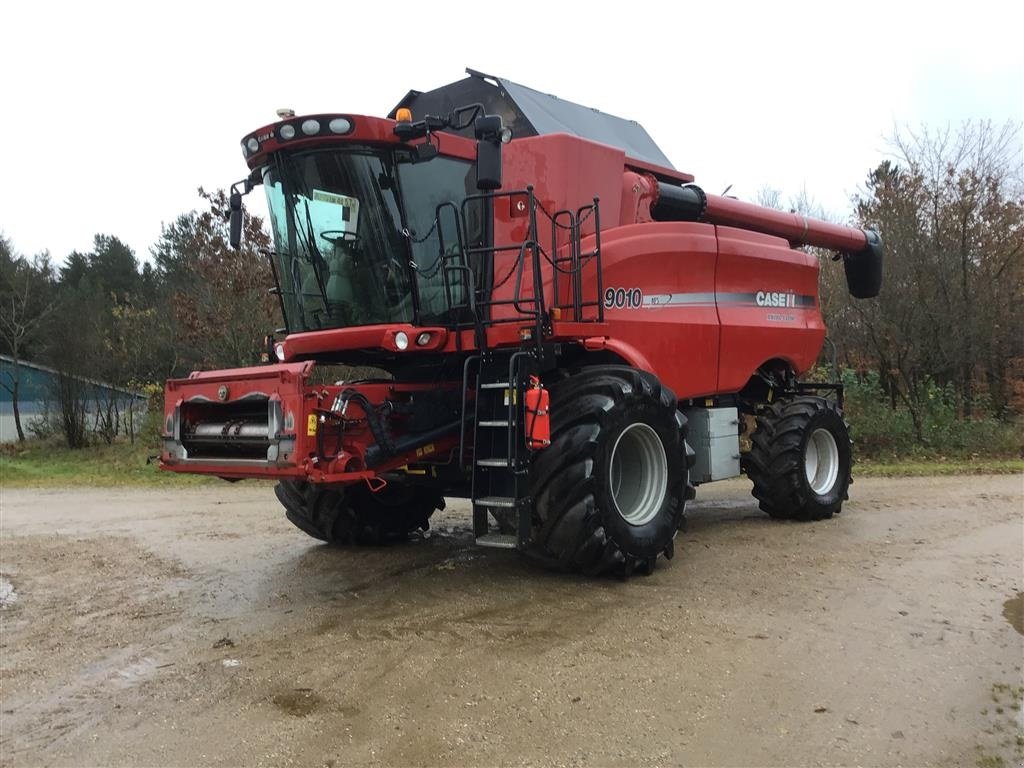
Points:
(498, 540)
(499, 462)
(503, 423)
(495, 385)
(506, 502)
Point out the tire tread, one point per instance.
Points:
(775, 459)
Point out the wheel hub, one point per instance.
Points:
(638, 474)
(821, 461)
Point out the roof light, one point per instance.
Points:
(311, 127)
(403, 115)
(287, 131)
(252, 145)
(340, 125)
(284, 113)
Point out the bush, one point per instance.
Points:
(881, 431)
(153, 422)
(45, 425)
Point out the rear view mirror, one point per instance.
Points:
(425, 151)
(235, 219)
(489, 137)
(488, 165)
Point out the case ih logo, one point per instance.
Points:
(774, 299)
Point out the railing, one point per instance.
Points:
(577, 261)
(562, 258)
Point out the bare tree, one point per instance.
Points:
(26, 299)
(950, 206)
(769, 197)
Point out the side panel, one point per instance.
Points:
(767, 296)
(659, 284)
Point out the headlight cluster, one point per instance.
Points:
(401, 340)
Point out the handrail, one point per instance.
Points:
(528, 302)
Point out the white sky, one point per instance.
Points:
(111, 115)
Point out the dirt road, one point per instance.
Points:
(197, 627)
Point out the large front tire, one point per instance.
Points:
(609, 492)
(800, 459)
(355, 515)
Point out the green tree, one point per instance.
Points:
(97, 293)
(219, 296)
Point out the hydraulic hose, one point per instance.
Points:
(375, 456)
(384, 444)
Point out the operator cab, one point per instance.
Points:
(362, 233)
(374, 222)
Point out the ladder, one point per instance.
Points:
(501, 459)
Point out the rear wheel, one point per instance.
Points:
(356, 515)
(800, 459)
(610, 490)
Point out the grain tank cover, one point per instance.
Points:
(531, 113)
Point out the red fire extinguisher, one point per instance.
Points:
(538, 419)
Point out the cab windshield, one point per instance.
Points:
(363, 235)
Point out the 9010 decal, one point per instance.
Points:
(623, 298)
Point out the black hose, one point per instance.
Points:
(380, 434)
(374, 454)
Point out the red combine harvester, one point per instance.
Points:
(572, 333)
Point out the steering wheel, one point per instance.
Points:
(337, 236)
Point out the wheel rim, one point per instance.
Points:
(821, 461)
(639, 474)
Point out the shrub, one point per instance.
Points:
(879, 430)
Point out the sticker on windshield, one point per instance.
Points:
(328, 204)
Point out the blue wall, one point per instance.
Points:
(38, 386)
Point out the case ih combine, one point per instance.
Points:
(573, 333)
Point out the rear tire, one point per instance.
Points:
(800, 459)
(356, 515)
(609, 492)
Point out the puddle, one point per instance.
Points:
(298, 703)
(1013, 612)
(7, 594)
(135, 672)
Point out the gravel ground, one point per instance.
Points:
(197, 627)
